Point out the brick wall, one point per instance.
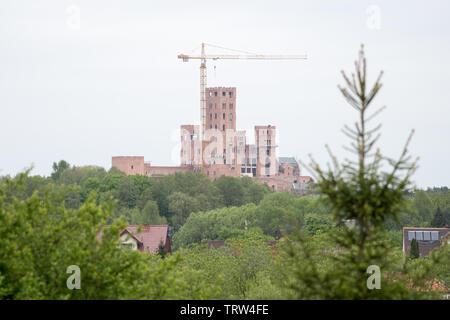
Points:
(220, 108)
(215, 171)
(157, 171)
(275, 184)
(129, 164)
(425, 246)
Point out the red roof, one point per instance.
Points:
(150, 236)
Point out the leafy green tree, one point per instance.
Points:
(253, 192)
(111, 180)
(441, 218)
(447, 218)
(233, 267)
(208, 225)
(58, 169)
(41, 239)
(275, 211)
(317, 223)
(89, 185)
(438, 219)
(194, 184)
(143, 198)
(126, 192)
(231, 189)
(181, 206)
(148, 215)
(142, 184)
(36, 184)
(72, 196)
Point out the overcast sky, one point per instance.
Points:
(110, 83)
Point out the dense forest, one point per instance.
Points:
(50, 223)
(196, 208)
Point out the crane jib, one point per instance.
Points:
(203, 57)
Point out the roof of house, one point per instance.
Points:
(287, 160)
(215, 243)
(150, 236)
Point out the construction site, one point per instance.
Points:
(216, 148)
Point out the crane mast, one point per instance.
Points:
(203, 57)
(203, 93)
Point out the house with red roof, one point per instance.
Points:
(145, 238)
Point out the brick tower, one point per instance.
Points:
(220, 108)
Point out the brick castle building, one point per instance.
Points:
(223, 150)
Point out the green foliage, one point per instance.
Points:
(231, 189)
(177, 196)
(194, 184)
(35, 184)
(275, 210)
(439, 262)
(41, 238)
(441, 218)
(143, 198)
(424, 272)
(316, 224)
(162, 250)
(126, 192)
(233, 267)
(89, 185)
(414, 250)
(111, 181)
(208, 225)
(238, 191)
(396, 237)
(273, 213)
(148, 215)
(181, 206)
(253, 192)
(58, 169)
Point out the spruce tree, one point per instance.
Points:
(366, 191)
(162, 250)
(414, 251)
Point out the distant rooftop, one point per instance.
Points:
(287, 160)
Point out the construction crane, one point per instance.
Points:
(243, 55)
